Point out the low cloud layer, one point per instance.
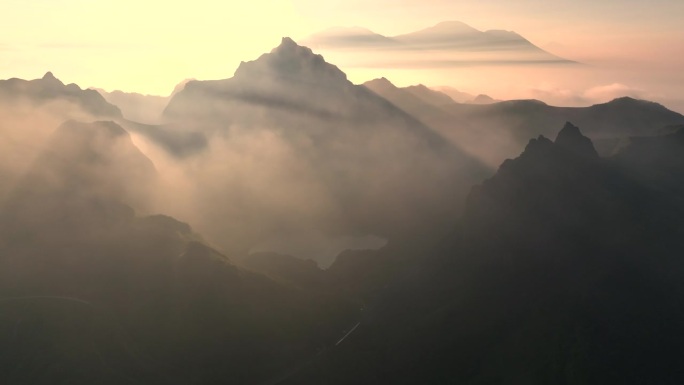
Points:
(447, 44)
(593, 95)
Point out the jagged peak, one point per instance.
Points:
(288, 59)
(51, 79)
(540, 145)
(289, 48)
(288, 43)
(570, 138)
(540, 141)
(570, 130)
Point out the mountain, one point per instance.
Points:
(408, 100)
(95, 293)
(496, 131)
(482, 99)
(460, 36)
(30, 110)
(142, 114)
(49, 90)
(138, 107)
(141, 299)
(85, 173)
(456, 95)
(454, 37)
(348, 144)
(431, 96)
(564, 269)
(342, 38)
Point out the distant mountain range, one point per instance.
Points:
(562, 260)
(138, 107)
(49, 89)
(494, 131)
(485, 47)
(343, 136)
(511, 258)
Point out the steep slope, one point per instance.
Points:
(566, 269)
(138, 107)
(92, 293)
(87, 173)
(493, 132)
(403, 98)
(30, 110)
(368, 166)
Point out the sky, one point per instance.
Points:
(629, 46)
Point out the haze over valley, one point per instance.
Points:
(440, 204)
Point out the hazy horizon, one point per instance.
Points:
(280, 203)
(628, 48)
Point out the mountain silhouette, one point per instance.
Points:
(109, 295)
(86, 174)
(138, 107)
(49, 89)
(344, 135)
(523, 243)
(495, 131)
(482, 99)
(448, 36)
(562, 260)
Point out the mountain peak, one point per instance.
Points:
(570, 138)
(383, 81)
(542, 143)
(290, 60)
(288, 43)
(289, 47)
(51, 79)
(626, 101)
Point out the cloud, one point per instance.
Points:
(447, 44)
(612, 91)
(597, 94)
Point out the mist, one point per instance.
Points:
(285, 225)
(294, 159)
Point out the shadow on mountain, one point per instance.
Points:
(92, 293)
(336, 156)
(565, 269)
(493, 132)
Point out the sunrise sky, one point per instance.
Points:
(628, 46)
